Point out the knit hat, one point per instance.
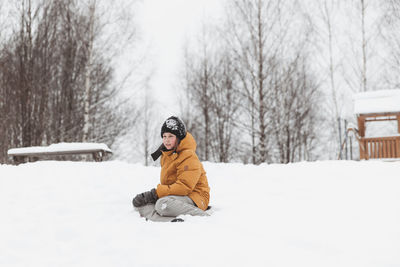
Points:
(175, 126)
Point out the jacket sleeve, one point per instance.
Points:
(188, 174)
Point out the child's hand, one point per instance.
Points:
(148, 197)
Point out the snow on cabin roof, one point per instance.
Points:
(382, 101)
(66, 147)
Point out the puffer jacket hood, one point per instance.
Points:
(187, 143)
(183, 174)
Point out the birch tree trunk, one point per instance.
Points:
(364, 87)
(87, 95)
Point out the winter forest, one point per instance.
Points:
(266, 81)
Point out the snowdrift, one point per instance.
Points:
(332, 213)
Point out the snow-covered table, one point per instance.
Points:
(98, 151)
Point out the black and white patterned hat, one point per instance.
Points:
(175, 126)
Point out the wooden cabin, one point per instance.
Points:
(375, 106)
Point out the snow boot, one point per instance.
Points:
(178, 220)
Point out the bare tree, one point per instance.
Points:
(51, 62)
(391, 39)
(254, 38)
(296, 101)
(148, 123)
(328, 10)
(89, 42)
(224, 102)
(363, 46)
(199, 72)
(363, 64)
(326, 26)
(187, 108)
(262, 33)
(261, 65)
(209, 87)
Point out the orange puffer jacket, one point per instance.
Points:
(183, 174)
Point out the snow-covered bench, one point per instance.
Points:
(98, 151)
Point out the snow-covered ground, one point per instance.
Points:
(332, 213)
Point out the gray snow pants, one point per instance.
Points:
(168, 208)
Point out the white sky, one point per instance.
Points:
(165, 25)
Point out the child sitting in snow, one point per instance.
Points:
(184, 187)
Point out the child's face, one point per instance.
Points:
(169, 140)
